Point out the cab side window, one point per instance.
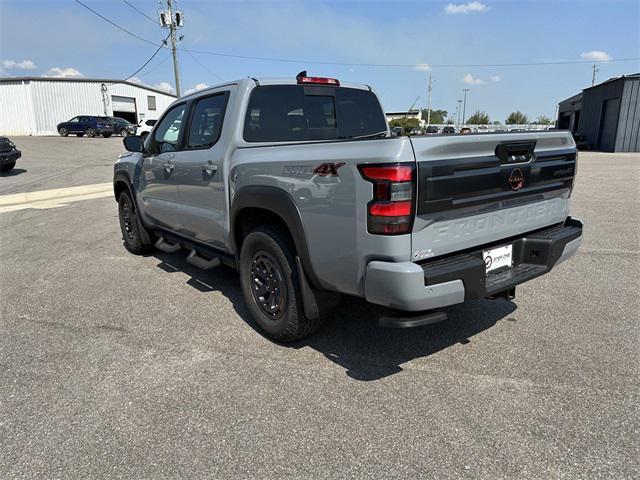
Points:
(167, 135)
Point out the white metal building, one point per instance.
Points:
(35, 105)
(412, 114)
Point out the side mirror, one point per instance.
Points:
(133, 143)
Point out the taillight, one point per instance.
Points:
(391, 210)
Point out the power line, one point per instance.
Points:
(405, 65)
(202, 64)
(164, 42)
(347, 64)
(115, 24)
(156, 65)
(155, 22)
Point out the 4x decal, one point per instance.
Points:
(328, 169)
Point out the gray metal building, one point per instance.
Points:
(607, 114)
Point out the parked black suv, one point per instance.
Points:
(121, 126)
(88, 125)
(448, 130)
(8, 154)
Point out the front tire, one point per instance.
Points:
(63, 132)
(135, 237)
(124, 133)
(270, 285)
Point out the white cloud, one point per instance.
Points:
(166, 86)
(22, 65)
(596, 56)
(136, 80)
(27, 65)
(465, 7)
(495, 78)
(471, 80)
(58, 72)
(198, 87)
(424, 67)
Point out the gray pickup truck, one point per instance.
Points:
(298, 184)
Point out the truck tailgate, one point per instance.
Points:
(474, 190)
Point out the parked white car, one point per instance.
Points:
(145, 127)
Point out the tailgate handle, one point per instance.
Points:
(515, 152)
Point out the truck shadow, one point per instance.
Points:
(350, 336)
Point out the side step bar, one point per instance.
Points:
(167, 247)
(412, 320)
(197, 261)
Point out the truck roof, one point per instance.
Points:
(273, 81)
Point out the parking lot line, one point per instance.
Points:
(58, 197)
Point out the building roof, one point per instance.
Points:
(614, 79)
(576, 98)
(411, 112)
(87, 80)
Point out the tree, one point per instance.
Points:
(437, 116)
(543, 120)
(478, 118)
(517, 118)
(406, 123)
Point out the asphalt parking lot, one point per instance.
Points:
(113, 365)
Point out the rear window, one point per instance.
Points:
(285, 113)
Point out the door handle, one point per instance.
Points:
(210, 169)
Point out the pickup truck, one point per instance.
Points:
(298, 184)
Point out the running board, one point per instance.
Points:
(197, 261)
(412, 320)
(167, 247)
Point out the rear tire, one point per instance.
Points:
(63, 132)
(90, 132)
(133, 232)
(271, 286)
(106, 135)
(80, 134)
(7, 167)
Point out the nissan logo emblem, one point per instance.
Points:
(516, 179)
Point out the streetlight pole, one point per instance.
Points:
(429, 104)
(464, 108)
(459, 102)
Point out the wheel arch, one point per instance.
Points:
(259, 205)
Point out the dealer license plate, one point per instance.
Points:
(498, 257)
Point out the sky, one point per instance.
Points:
(62, 38)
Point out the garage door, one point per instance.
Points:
(123, 104)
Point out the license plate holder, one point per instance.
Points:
(498, 258)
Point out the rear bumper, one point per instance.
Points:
(456, 278)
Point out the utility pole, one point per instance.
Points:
(595, 69)
(429, 104)
(173, 20)
(459, 110)
(464, 108)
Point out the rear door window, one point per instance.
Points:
(285, 113)
(206, 121)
